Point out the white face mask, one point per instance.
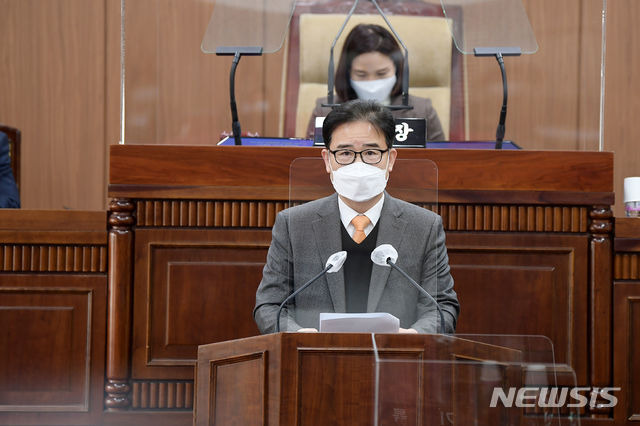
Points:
(359, 181)
(374, 90)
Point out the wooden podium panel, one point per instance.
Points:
(191, 283)
(537, 272)
(330, 379)
(626, 320)
(53, 302)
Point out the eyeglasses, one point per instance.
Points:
(368, 156)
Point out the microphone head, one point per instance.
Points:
(336, 260)
(382, 253)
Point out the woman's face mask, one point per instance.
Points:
(372, 76)
(374, 90)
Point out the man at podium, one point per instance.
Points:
(359, 217)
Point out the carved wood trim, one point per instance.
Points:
(511, 218)
(117, 393)
(626, 266)
(456, 217)
(170, 395)
(120, 223)
(53, 258)
(207, 213)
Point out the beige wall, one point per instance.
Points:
(622, 111)
(59, 80)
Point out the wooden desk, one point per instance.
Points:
(53, 302)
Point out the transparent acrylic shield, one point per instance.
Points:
(316, 233)
(248, 23)
(473, 380)
(173, 93)
(490, 24)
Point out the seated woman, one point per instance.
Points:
(370, 68)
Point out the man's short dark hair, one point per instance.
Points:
(358, 110)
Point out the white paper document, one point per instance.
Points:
(375, 322)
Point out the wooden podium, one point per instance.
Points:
(331, 379)
(190, 226)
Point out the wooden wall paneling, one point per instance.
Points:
(141, 71)
(626, 318)
(117, 386)
(546, 284)
(622, 128)
(52, 86)
(626, 299)
(274, 78)
(590, 56)
(54, 326)
(191, 287)
(112, 83)
(559, 116)
(192, 100)
(177, 94)
(53, 315)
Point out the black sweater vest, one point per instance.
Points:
(357, 269)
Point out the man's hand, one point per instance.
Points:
(408, 331)
(308, 330)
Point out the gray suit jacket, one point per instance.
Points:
(304, 237)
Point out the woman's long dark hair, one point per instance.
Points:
(365, 38)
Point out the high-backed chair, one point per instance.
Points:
(435, 64)
(14, 150)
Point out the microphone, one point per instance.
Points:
(386, 255)
(334, 264)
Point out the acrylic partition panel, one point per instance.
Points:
(248, 23)
(555, 88)
(175, 90)
(475, 379)
(175, 93)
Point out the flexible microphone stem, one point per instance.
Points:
(422, 290)
(503, 112)
(330, 82)
(405, 69)
(292, 295)
(235, 122)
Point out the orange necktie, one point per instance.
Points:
(360, 222)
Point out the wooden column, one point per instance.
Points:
(117, 386)
(601, 293)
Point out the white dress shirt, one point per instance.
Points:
(347, 214)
